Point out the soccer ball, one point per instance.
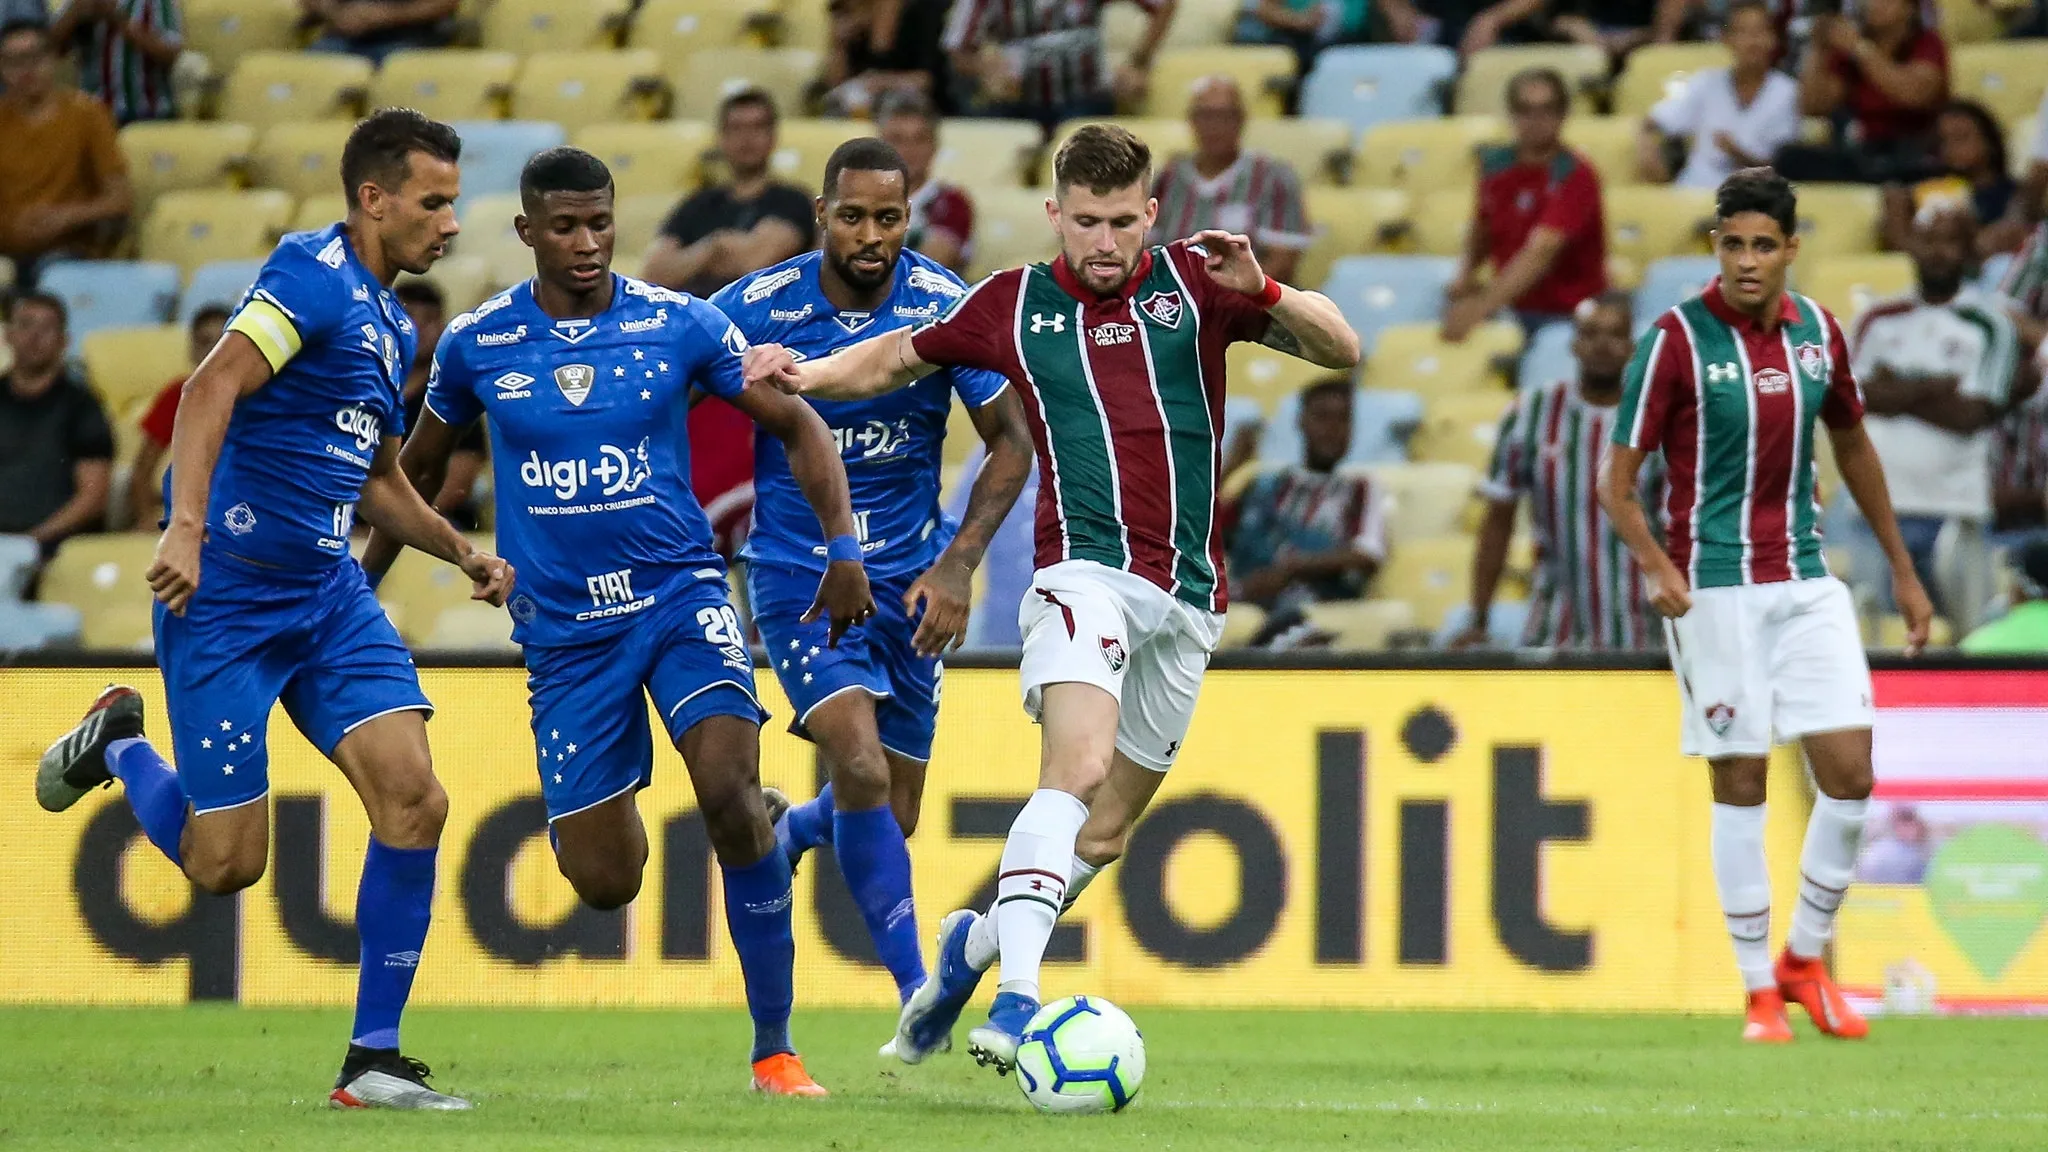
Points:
(1080, 1055)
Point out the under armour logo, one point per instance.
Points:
(1722, 373)
(1041, 322)
(1172, 749)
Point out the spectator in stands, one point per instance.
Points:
(1888, 74)
(63, 184)
(941, 214)
(1677, 20)
(1937, 369)
(124, 50)
(145, 480)
(2026, 208)
(1727, 118)
(428, 310)
(2023, 630)
(1467, 25)
(1970, 152)
(1588, 589)
(885, 48)
(374, 29)
(753, 220)
(1221, 185)
(1307, 26)
(1308, 532)
(2019, 474)
(56, 448)
(1043, 62)
(1538, 221)
(1616, 27)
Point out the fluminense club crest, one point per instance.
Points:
(1162, 308)
(1812, 360)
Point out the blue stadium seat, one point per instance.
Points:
(1547, 357)
(112, 293)
(1504, 623)
(1375, 291)
(1239, 412)
(1670, 282)
(1363, 86)
(493, 152)
(1381, 420)
(221, 282)
(19, 557)
(26, 626)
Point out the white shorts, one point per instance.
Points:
(1764, 662)
(1088, 623)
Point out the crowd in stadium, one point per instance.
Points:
(1498, 195)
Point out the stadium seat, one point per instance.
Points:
(302, 158)
(1196, 24)
(1167, 136)
(172, 155)
(217, 282)
(1670, 282)
(1425, 156)
(126, 367)
(318, 212)
(494, 151)
(1434, 575)
(1439, 222)
(488, 234)
(1366, 86)
(20, 558)
(803, 145)
(1483, 88)
(1505, 621)
(1264, 72)
(446, 83)
(27, 627)
(637, 220)
(1609, 142)
(522, 27)
(1349, 222)
(464, 281)
(1266, 377)
(1655, 71)
(575, 89)
(1547, 357)
(2019, 144)
(1647, 222)
(705, 78)
(418, 588)
(1838, 220)
(1426, 499)
(1361, 625)
(102, 576)
(224, 31)
(1416, 358)
(676, 28)
(663, 157)
(1965, 23)
(1890, 633)
(1318, 150)
(1377, 291)
(194, 228)
(1380, 423)
(111, 293)
(1846, 285)
(1010, 229)
(2006, 77)
(979, 153)
(274, 87)
(1460, 429)
(1241, 622)
(471, 627)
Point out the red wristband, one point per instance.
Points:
(1269, 295)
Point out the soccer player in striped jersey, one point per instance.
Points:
(1589, 589)
(1117, 352)
(1729, 385)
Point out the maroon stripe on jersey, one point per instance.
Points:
(1144, 472)
(1554, 513)
(1878, 312)
(1593, 434)
(1681, 444)
(1775, 431)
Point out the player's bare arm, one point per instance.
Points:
(1306, 325)
(870, 368)
(947, 587)
(1863, 476)
(1621, 498)
(390, 505)
(814, 460)
(424, 461)
(234, 369)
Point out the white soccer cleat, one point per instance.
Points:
(384, 1079)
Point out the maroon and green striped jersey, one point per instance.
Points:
(1124, 395)
(1732, 404)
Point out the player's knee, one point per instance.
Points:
(1740, 783)
(416, 816)
(861, 781)
(735, 819)
(223, 872)
(1847, 782)
(608, 888)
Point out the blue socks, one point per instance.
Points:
(806, 825)
(876, 865)
(394, 903)
(153, 792)
(757, 914)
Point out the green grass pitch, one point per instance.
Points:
(214, 1080)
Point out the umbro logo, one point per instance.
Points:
(408, 959)
(513, 386)
(1041, 322)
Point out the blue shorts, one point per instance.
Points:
(876, 657)
(590, 731)
(253, 636)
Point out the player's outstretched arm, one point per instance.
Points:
(1863, 476)
(235, 368)
(1621, 498)
(947, 588)
(424, 463)
(876, 365)
(389, 505)
(1307, 325)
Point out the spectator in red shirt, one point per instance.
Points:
(145, 481)
(941, 214)
(1888, 74)
(1538, 220)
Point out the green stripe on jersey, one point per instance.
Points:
(1175, 358)
(1807, 562)
(1720, 523)
(1049, 336)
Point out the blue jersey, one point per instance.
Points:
(890, 444)
(589, 448)
(299, 448)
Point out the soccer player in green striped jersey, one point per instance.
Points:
(1729, 385)
(1117, 352)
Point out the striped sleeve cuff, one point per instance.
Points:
(273, 332)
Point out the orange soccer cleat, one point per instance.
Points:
(1766, 1023)
(1807, 983)
(783, 1075)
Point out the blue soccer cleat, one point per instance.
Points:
(926, 1025)
(995, 1044)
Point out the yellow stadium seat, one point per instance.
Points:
(172, 155)
(1316, 148)
(1846, 285)
(471, 627)
(709, 77)
(2018, 141)
(419, 588)
(446, 83)
(1196, 24)
(1647, 222)
(224, 31)
(1459, 429)
(1425, 156)
(987, 153)
(487, 233)
(303, 159)
(1434, 575)
(637, 220)
(1838, 220)
(676, 28)
(1609, 142)
(526, 26)
(1010, 229)
(193, 228)
(1349, 222)
(1165, 135)
(663, 157)
(128, 366)
(1483, 87)
(1655, 71)
(317, 212)
(803, 145)
(1361, 625)
(578, 88)
(1891, 633)
(1425, 499)
(1267, 377)
(102, 577)
(2006, 77)
(464, 281)
(273, 87)
(1415, 358)
(1439, 221)
(1264, 72)
(1241, 622)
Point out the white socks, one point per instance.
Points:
(1826, 865)
(1743, 877)
(1079, 874)
(1032, 885)
(982, 946)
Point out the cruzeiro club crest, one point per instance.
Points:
(1113, 653)
(1812, 360)
(575, 380)
(1162, 308)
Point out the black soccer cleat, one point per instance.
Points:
(77, 762)
(382, 1078)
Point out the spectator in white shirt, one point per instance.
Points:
(1730, 117)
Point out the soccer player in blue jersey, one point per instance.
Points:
(870, 704)
(584, 379)
(288, 431)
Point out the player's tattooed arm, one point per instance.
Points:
(1309, 326)
(424, 463)
(946, 590)
(390, 505)
(843, 593)
(1281, 340)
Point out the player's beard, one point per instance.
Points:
(864, 281)
(1082, 273)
